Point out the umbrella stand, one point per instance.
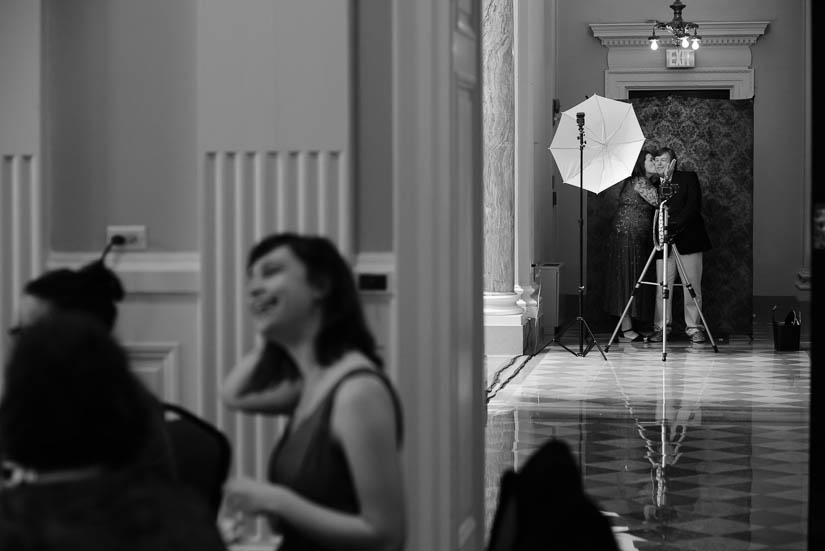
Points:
(580, 318)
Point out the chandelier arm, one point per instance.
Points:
(678, 27)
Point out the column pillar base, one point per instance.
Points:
(504, 325)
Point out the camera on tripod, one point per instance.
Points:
(666, 190)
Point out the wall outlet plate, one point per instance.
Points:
(134, 236)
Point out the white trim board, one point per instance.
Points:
(142, 273)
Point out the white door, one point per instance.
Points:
(438, 243)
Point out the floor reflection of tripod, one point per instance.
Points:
(663, 241)
(668, 454)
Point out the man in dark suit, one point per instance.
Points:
(686, 227)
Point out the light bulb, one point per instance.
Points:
(685, 42)
(695, 44)
(654, 44)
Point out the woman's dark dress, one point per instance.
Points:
(311, 462)
(629, 245)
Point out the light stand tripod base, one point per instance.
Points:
(585, 336)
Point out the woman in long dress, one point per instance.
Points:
(629, 246)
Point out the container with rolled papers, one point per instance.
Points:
(786, 334)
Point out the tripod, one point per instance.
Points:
(664, 241)
(583, 327)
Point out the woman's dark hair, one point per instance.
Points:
(343, 326)
(93, 289)
(70, 399)
(639, 167)
(274, 366)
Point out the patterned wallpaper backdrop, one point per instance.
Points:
(714, 137)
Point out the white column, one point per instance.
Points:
(503, 317)
(529, 72)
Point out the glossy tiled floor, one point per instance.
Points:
(704, 451)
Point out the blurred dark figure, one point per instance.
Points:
(94, 291)
(543, 506)
(73, 421)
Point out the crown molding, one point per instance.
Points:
(713, 33)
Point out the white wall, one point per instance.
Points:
(536, 234)
(19, 76)
(373, 104)
(120, 82)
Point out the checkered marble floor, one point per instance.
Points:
(704, 451)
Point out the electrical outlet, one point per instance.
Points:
(134, 236)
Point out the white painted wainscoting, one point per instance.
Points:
(157, 321)
(20, 232)
(246, 196)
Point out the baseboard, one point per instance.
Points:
(762, 307)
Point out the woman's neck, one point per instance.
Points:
(303, 353)
(299, 341)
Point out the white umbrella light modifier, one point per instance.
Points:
(613, 140)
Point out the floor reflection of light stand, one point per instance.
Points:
(583, 327)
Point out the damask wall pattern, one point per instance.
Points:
(713, 137)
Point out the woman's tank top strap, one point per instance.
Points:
(396, 401)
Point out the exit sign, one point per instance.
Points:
(680, 58)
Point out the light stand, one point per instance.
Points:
(580, 318)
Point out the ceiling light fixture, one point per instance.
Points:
(678, 28)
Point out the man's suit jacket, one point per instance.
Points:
(685, 222)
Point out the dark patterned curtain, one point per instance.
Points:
(714, 137)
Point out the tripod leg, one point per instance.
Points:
(582, 325)
(560, 333)
(665, 283)
(592, 340)
(636, 288)
(687, 285)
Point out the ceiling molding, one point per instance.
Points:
(713, 33)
